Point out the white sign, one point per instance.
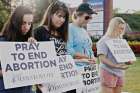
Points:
(98, 18)
(121, 50)
(96, 25)
(95, 33)
(91, 79)
(70, 77)
(28, 63)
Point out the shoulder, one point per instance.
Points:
(39, 29)
(71, 27)
(70, 24)
(41, 34)
(102, 41)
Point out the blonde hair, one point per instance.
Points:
(113, 25)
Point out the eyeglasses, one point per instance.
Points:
(88, 17)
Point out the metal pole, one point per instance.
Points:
(108, 8)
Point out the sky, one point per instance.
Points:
(73, 3)
(124, 5)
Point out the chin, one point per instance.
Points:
(58, 26)
(24, 33)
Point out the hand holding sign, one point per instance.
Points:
(92, 60)
(122, 66)
(121, 50)
(28, 63)
(32, 40)
(86, 61)
(91, 79)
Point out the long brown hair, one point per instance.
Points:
(12, 28)
(47, 20)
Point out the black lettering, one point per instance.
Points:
(37, 64)
(31, 46)
(36, 45)
(23, 66)
(16, 66)
(21, 56)
(24, 46)
(43, 54)
(18, 46)
(14, 55)
(30, 65)
(8, 67)
(30, 55)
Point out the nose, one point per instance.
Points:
(26, 26)
(62, 19)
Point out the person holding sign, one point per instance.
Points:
(79, 43)
(111, 71)
(54, 27)
(17, 29)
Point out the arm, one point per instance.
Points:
(108, 62)
(102, 52)
(80, 56)
(70, 44)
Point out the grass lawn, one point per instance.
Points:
(132, 78)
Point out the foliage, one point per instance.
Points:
(4, 13)
(132, 36)
(137, 12)
(94, 39)
(132, 19)
(41, 6)
(134, 43)
(135, 46)
(116, 10)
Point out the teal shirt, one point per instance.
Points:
(79, 41)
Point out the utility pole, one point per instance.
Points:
(108, 10)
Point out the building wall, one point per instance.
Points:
(108, 10)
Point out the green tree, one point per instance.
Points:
(132, 19)
(137, 12)
(116, 10)
(4, 12)
(41, 6)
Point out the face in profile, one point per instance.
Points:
(121, 29)
(85, 18)
(58, 19)
(26, 23)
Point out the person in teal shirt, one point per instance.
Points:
(79, 43)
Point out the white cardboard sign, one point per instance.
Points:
(70, 77)
(26, 63)
(121, 50)
(90, 78)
